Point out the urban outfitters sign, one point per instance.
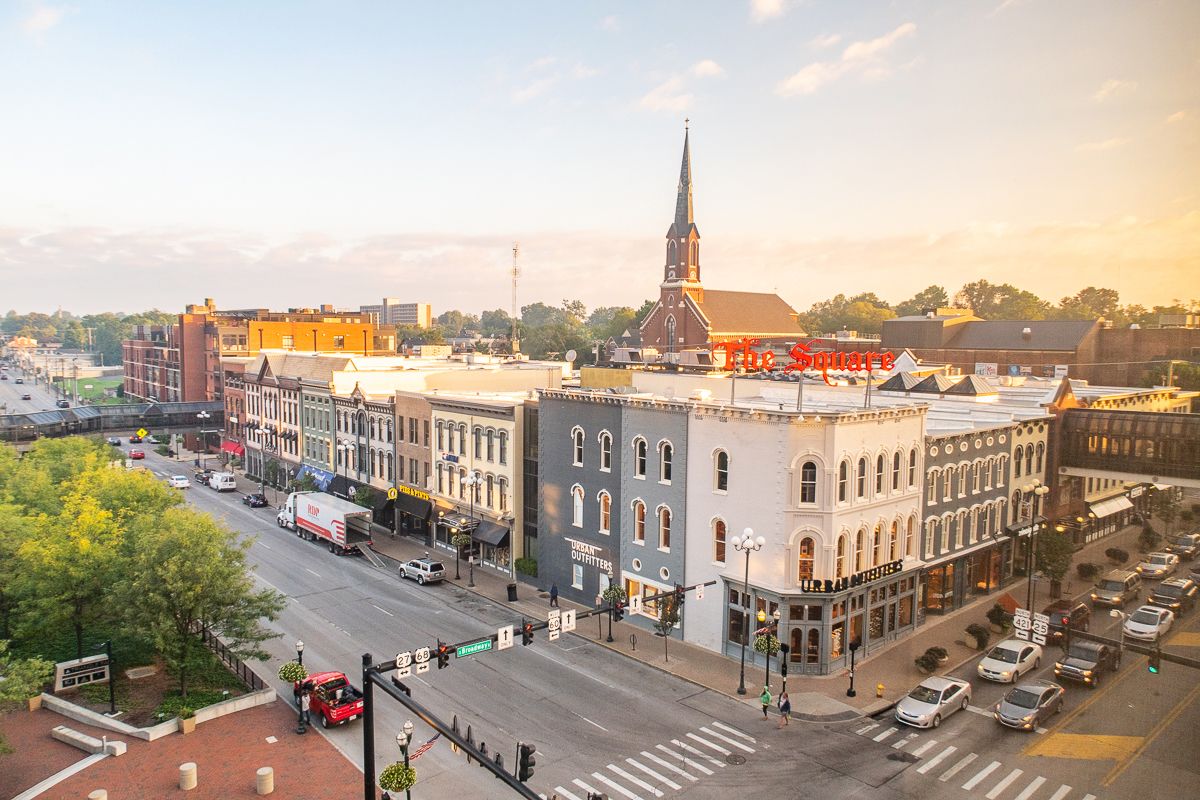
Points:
(591, 555)
(858, 579)
(741, 352)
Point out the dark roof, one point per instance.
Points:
(1006, 334)
(900, 382)
(972, 385)
(934, 384)
(751, 313)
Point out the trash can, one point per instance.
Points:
(512, 593)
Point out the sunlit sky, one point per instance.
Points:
(288, 154)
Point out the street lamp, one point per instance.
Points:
(746, 543)
(772, 630)
(471, 482)
(853, 649)
(112, 677)
(404, 739)
(344, 448)
(1035, 490)
(201, 418)
(610, 609)
(300, 652)
(1117, 613)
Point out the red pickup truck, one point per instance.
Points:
(332, 698)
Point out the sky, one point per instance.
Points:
(279, 155)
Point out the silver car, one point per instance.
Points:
(1158, 565)
(1028, 704)
(934, 699)
(423, 570)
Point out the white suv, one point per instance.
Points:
(423, 570)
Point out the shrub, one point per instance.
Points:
(1187, 516)
(980, 634)
(1116, 555)
(1087, 571)
(937, 652)
(527, 566)
(1148, 539)
(926, 662)
(998, 616)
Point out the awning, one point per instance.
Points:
(234, 448)
(320, 477)
(489, 532)
(340, 486)
(414, 506)
(1113, 505)
(1162, 487)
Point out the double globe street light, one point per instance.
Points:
(746, 543)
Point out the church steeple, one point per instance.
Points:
(683, 201)
(683, 238)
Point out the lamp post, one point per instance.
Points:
(112, 677)
(745, 544)
(300, 652)
(301, 728)
(610, 610)
(1035, 491)
(471, 571)
(344, 448)
(201, 418)
(404, 739)
(772, 629)
(1117, 613)
(853, 649)
(470, 482)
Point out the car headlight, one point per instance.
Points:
(1027, 718)
(1004, 674)
(1095, 596)
(1087, 673)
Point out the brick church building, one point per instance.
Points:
(688, 316)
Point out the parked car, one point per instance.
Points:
(63, 404)
(256, 500)
(135, 439)
(1158, 565)
(178, 482)
(1062, 612)
(202, 476)
(333, 699)
(933, 699)
(1086, 661)
(1175, 594)
(136, 454)
(1148, 623)
(115, 441)
(1028, 705)
(1009, 660)
(152, 439)
(1117, 588)
(423, 570)
(19, 380)
(1184, 545)
(27, 396)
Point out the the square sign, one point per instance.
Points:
(1022, 623)
(568, 620)
(142, 432)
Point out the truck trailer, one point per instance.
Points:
(323, 518)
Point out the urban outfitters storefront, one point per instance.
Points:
(874, 607)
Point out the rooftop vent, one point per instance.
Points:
(1026, 333)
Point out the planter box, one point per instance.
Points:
(188, 725)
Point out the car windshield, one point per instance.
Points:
(178, 478)
(1185, 541)
(1159, 559)
(1145, 617)
(1169, 591)
(1003, 654)
(1112, 586)
(1082, 651)
(923, 694)
(1023, 698)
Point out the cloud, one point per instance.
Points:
(1111, 88)
(43, 18)
(1178, 116)
(825, 40)
(1106, 144)
(762, 10)
(542, 63)
(707, 68)
(865, 58)
(667, 96)
(582, 71)
(1007, 4)
(532, 90)
(610, 23)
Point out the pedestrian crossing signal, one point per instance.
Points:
(443, 655)
(526, 633)
(1155, 663)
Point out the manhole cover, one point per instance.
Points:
(735, 759)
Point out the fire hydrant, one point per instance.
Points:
(879, 690)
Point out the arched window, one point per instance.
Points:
(1001, 470)
(1000, 512)
(672, 254)
(841, 557)
(462, 438)
(670, 334)
(606, 451)
(931, 491)
(1029, 460)
(880, 470)
(577, 447)
(441, 432)
(880, 545)
(910, 542)
(975, 469)
(577, 506)
(860, 490)
(896, 471)
(639, 522)
(373, 436)
(664, 528)
(719, 538)
(973, 526)
(491, 444)
(1041, 452)
(1017, 462)
(1016, 505)
(605, 512)
(912, 468)
(503, 447)
(390, 468)
(947, 529)
(931, 536)
(948, 483)
(962, 528)
(894, 542)
(804, 561)
(665, 454)
(477, 441)
(721, 471)
(962, 480)
(808, 482)
(843, 481)
(441, 479)
(860, 550)
(639, 457)
(502, 490)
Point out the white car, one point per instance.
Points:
(1158, 565)
(1148, 623)
(1009, 660)
(933, 699)
(178, 482)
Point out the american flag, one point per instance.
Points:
(425, 747)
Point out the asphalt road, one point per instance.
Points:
(41, 398)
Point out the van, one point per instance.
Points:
(1117, 588)
(223, 482)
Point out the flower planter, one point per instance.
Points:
(187, 725)
(35, 702)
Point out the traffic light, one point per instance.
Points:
(1155, 662)
(618, 611)
(679, 595)
(526, 632)
(525, 761)
(443, 655)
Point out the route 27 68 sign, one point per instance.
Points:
(740, 352)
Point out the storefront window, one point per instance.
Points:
(837, 637)
(906, 610)
(876, 628)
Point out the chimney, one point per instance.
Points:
(1026, 333)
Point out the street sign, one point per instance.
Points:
(1041, 626)
(473, 647)
(700, 591)
(635, 604)
(554, 621)
(421, 656)
(392, 493)
(568, 620)
(504, 637)
(404, 664)
(1022, 623)
(142, 432)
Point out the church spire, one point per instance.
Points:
(683, 202)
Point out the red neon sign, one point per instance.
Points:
(740, 353)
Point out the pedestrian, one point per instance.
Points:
(554, 595)
(785, 709)
(304, 706)
(766, 700)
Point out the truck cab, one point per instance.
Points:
(332, 698)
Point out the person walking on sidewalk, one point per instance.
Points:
(765, 699)
(785, 709)
(554, 595)
(305, 703)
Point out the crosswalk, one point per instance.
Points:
(979, 776)
(667, 767)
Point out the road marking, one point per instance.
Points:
(1033, 786)
(635, 781)
(564, 793)
(653, 774)
(950, 773)
(983, 712)
(920, 751)
(314, 573)
(1121, 766)
(1062, 792)
(669, 766)
(585, 787)
(933, 762)
(616, 786)
(726, 739)
(870, 727)
(734, 731)
(264, 544)
(685, 759)
(979, 776)
(885, 734)
(1085, 746)
(999, 788)
(588, 721)
(1089, 797)
(384, 610)
(707, 743)
(1105, 688)
(1185, 639)
(904, 741)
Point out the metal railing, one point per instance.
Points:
(235, 664)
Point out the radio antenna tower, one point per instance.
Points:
(516, 271)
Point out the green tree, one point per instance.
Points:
(364, 496)
(864, 313)
(14, 530)
(643, 310)
(495, 323)
(21, 678)
(1090, 303)
(668, 618)
(1054, 553)
(1001, 301)
(451, 322)
(610, 321)
(928, 298)
(187, 573)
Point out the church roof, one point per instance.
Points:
(683, 200)
(747, 313)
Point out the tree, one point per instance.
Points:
(21, 678)
(495, 323)
(1165, 506)
(1090, 303)
(930, 297)
(451, 321)
(14, 529)
(1054, 553)
(644, 310)
(188, 574)
(668, 618)
(610, 321)
(864, 313)
(1001, 301)
(364, 496)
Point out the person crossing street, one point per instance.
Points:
(765, 699)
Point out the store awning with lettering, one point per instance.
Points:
(1113, 505)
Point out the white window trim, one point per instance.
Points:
(603, 493)
(583, 499)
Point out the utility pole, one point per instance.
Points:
(516, 271)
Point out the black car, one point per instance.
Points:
(115, 441)
(256, 500)
(1063, 611)
(1185, 545)
(202, 476)
(1176, 594)
(1086, 661)
(63, 403)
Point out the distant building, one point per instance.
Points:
(401, 315)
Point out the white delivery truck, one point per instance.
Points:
(321, 517)
(223, 482)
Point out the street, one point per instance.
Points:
(604, 723)
(41, 397)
